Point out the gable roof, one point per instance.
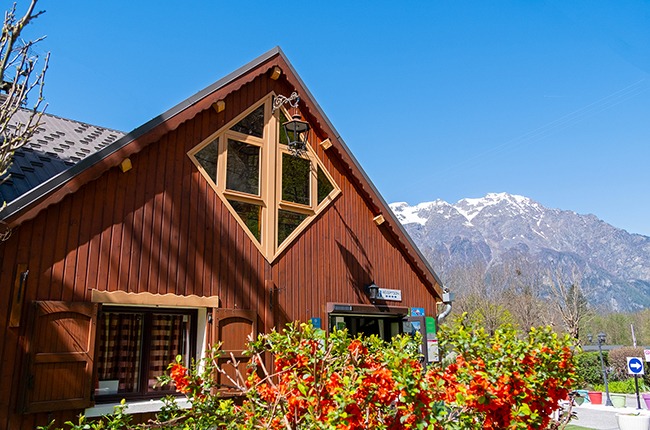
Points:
(28, 204)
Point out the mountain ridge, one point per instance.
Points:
(614, 264)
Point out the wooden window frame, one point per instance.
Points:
(270, 191)
(145, 358)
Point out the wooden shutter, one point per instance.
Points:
(233, 327)
(60, 346)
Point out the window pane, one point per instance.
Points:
(169, 338)
(283, 135)
(287, 223)
(243, 167)
(119, 359)
(325, 187)
(253, 124)
(207, 157)
(295, 179)
(251, 215)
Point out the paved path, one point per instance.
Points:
(600, 417)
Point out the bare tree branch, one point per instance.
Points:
(568, 299)
(20, 74)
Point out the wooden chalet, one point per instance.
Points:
(205, 224)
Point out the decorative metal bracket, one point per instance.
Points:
(279, 100)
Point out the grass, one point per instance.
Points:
(575, 427)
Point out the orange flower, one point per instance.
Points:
(178, 374)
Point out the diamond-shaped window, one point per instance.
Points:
(273, 194)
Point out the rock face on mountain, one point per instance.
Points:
(614, 265)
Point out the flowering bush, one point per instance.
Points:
(498, 381)
(502, 381)
(338, 382)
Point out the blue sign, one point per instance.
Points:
(316, 322)
(634, 366)
(417, 312)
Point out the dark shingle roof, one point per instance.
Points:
(58, 144)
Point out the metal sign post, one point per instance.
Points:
(635, 367)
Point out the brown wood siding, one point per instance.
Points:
(160, 228)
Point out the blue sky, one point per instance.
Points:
(436, 99)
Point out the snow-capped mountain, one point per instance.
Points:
(614, 264)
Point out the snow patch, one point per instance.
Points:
(409, 214)
(539, 233)
(470, 208)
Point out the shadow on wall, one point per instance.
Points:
(358, 276)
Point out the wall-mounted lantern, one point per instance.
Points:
(296, 130)
(372, 291)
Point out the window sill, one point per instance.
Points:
(134, 407)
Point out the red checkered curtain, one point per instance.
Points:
(169, 336)
(120, 349)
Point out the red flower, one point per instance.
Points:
(179, 375)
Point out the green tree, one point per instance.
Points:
(615, 325)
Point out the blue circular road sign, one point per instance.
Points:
(634, 366)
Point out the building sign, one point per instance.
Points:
(417, 312)
(390, 295)
(431, 326)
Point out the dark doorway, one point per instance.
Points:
(385, 327)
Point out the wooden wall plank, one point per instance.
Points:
(195, 202)
(107, 275)
(208, 216)
(185, 246)
(154, 219)
(147, 216)
(47, 250)
(59, 233)
(94, 249)
(73, 247)
(79, 283)
(122, 226)
(162, 272)
(174, 268)
(225, 221)
(139, 209)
